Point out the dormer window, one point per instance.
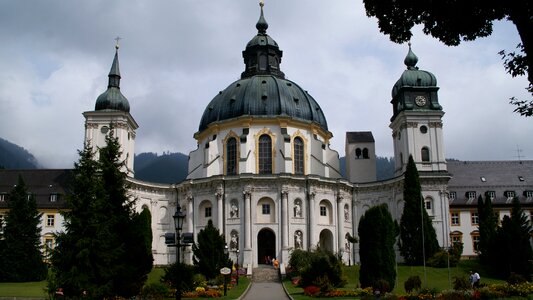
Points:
(509, 195)
(521, 178)
(471, 196)
(53, 197)
(483, 179)
(453, 196)
(490, 195)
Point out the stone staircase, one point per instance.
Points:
(265, 274)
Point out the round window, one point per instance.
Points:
(423, 129)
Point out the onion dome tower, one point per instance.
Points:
(261, 101)
(111, 115)
(417, 119)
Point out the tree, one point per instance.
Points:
(513, 244)
(452, 22)
(418, 240)
(20, 256)
(488, 225)
(377, 235)
(103, 251)
(208, 252)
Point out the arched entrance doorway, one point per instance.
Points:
(326, 240)
(266, 245)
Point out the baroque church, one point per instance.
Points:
(265, 175)
(264, 172)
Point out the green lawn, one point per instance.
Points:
(23, 289)
(437, 278)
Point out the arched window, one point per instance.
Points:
(358, 153)
(365, 153)
(231, 156)
(265, 154)
(425, 154)
(298, 156)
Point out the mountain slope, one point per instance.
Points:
(167, 168)
(15, 157)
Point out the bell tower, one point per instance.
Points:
(112, 112)
(416, 122)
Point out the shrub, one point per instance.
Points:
(412, 283)
(442, 258)
(180, 274)
(199, 280)
(155, 290)
(515, 278)
(322, 263)
(323, 283)
(381, 285)
(298, 261)
(461, 283)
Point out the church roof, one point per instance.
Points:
(499, 177)
(42, 183)
(112, 98)
(263, 91)
(413, 76)
(359, 137)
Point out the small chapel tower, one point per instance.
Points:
(416, 122)
(112, 112)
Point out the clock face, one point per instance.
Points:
(420, 100)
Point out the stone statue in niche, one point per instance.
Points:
(234, 243)
(234, 211)
(346, 246)
(298, 239)
(346, 213)
(297, 209)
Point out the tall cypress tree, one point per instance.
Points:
(102, 253)
(417, 235)
(488, 225)
(377, 236)
(20, 256)
(513, 244)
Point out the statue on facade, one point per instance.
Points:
(298, 239)
(234, 211)
(297, 209)
(234, 243)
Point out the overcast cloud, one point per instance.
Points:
(176, 55)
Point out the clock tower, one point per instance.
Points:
(112, 113)
(416, 122)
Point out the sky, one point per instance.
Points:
(175, 56)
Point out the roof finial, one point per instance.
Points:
(411, 59)
(261, 25)
(118, 38)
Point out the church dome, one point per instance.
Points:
(263, 91)
(413, 77)
(112, 98)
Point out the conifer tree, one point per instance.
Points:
(417, 235)
(377, 236)
(513, 244)
(102, 253)
(20, 256)
(488, 225)
(208, 252)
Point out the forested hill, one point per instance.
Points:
(165, 168)
(15, 157)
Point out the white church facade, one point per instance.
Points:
(264, 172)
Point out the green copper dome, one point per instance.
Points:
(413, 77)
(263, 91)
(112, 98)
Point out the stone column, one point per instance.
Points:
(247, 253)
(284, 226)
(220, 209)
(340, 224)
(310, 221)
(190, 226)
